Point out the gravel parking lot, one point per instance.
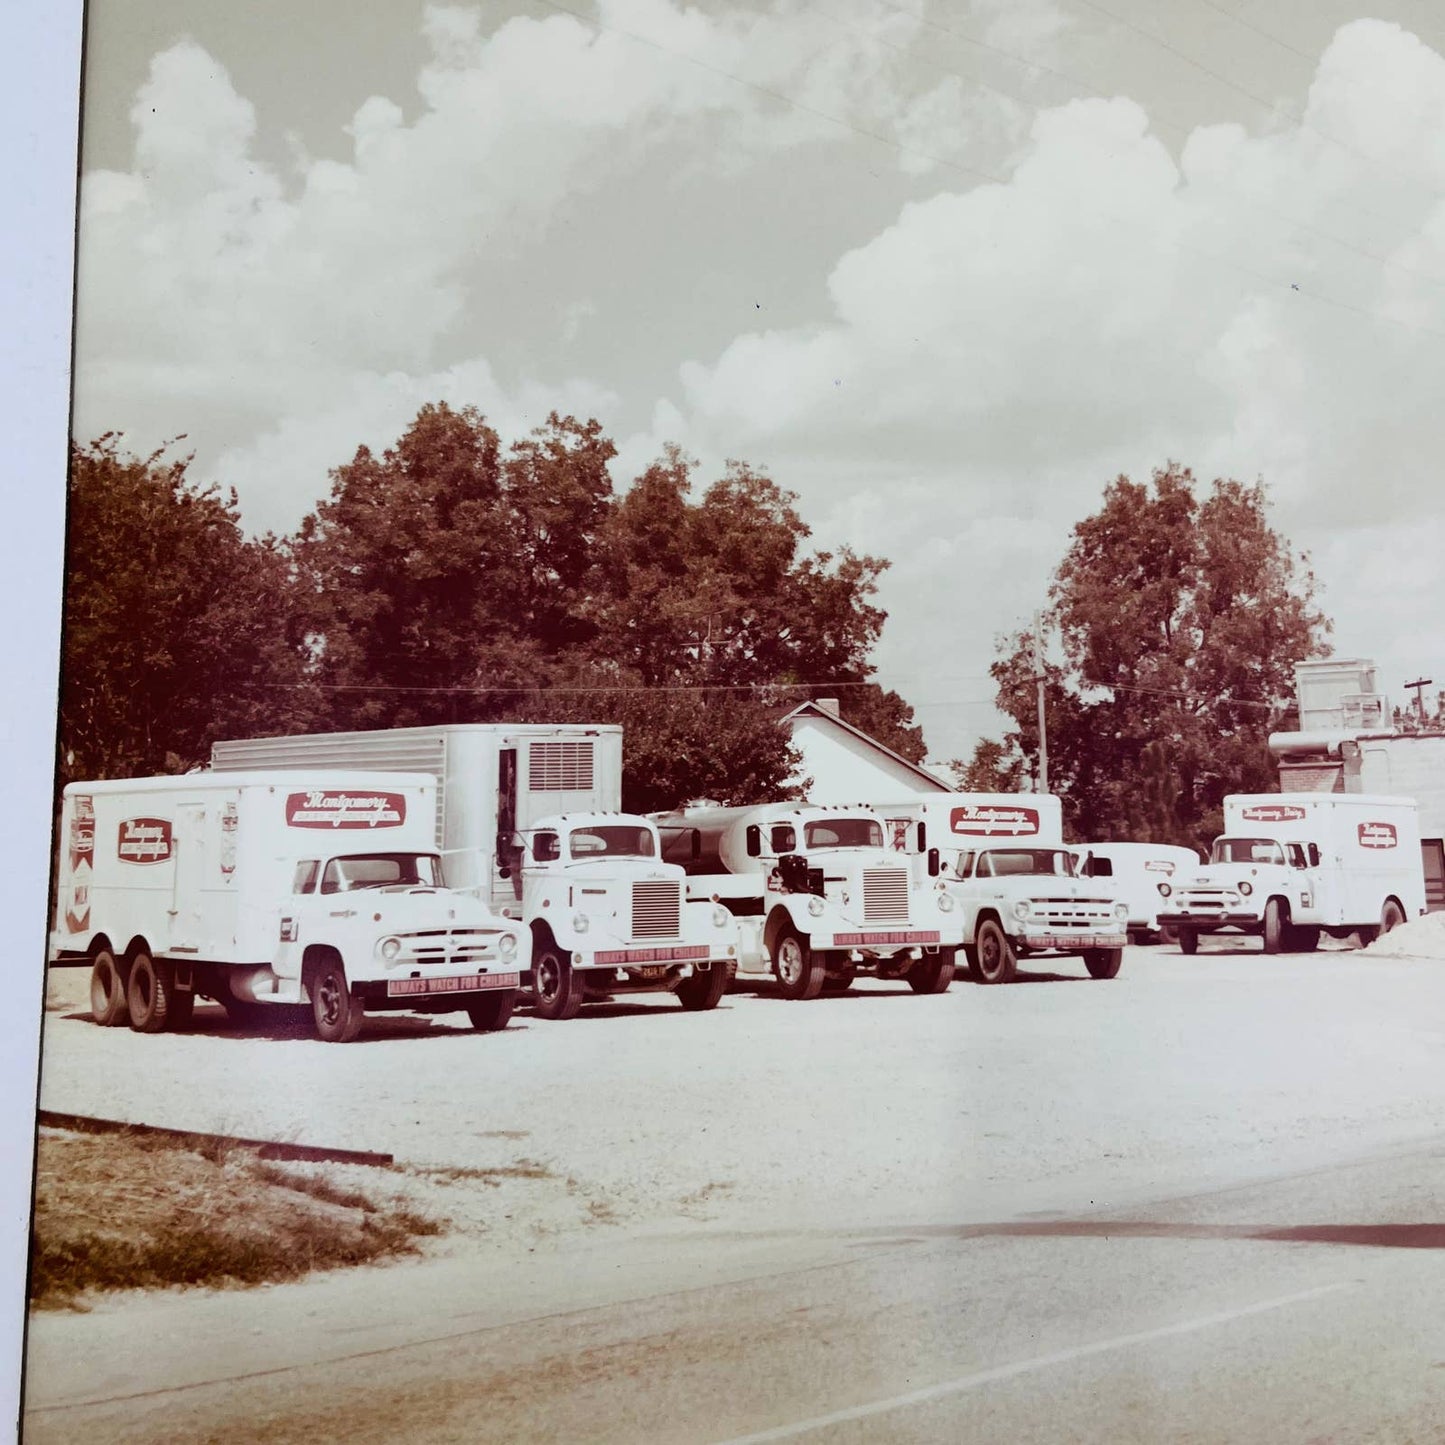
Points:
(874, 1108)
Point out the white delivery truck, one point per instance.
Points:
(527, 816)
(1136, 870)
(264, 889)
(1015, 885)
(1290, 866)
(820, 894)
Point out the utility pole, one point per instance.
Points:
(1420, 684)
(1043, 786)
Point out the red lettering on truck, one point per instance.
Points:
(144, 840)
(990, 820)
(333, 808)
(1377, 835)
(1274, 813)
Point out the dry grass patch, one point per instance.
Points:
(126, 1211)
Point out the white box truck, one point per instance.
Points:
(527, 815)
(1015, 884)
(1290, 866)
(1136, 871)
(266, 889)
(820, 894)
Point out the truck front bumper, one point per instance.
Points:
(1207, 922)
(1071, 941)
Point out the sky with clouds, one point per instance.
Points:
(943, 270)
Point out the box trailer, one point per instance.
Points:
(261, 889)
(820, 894)
(1290, 866)
(528, 816)
(1136, 871)
(1015, 884)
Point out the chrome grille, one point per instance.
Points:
(656, 909)
(885, 895)
(448, 945)
(1056, 913)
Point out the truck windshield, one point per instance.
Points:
(1246, 850)
(1032, 862)
(844, 833)
(382, 870)
(613, 840)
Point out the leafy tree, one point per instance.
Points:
(1180, 620)
(177, 629)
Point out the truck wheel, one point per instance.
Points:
(492, 1011)
(800, 972)
(1188, 940)
(557, 989)
(107, 990)
(997, 962)
(336, 1016)
(932, 974)
(1274, 926)
(1103, 962)
(703, 991)
(148, 993)
(1392, 917)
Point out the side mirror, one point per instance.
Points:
(754, 841)
(1314, 855)
(922, 836)
(696, 843)
(933, 861)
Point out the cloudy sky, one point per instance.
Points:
(942, 269)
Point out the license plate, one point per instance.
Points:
(1064, 940)
(471, 983)
(868, 940)
(649, 974)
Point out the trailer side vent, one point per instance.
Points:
(560, 767)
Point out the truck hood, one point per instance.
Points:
(1038, 885)
(623, 870)
(1230, 875)
(417, 908)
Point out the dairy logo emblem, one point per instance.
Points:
(144, 840)
(899, 827)
(1274, 813)
(336, 808)
(230, 821)
(1158, 865)
(1377, 835)
(993, 820)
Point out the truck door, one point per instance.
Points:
(507, 857)
(187, 904)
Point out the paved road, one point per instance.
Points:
(1292, 1301)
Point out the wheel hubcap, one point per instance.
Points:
(790, 961)
(330, 999)
(548, 977)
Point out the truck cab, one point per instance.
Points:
(608, 915)
(1018, 899)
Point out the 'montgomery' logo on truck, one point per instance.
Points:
(992, 819)
(319, 808)
(144, 840)
(1377, 835)
(1274, 813)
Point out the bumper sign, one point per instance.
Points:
(471, 983)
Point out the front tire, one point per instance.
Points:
(335, 1014)
(932, 974)
(702, 991)
(492, 1012)
(1103, 962)
(107, 991)
(557, 988)
(800, 972)
(1188, 940)
(1274, 926)
(148, 993)
(997, 962)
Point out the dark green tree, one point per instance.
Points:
(1180, 618)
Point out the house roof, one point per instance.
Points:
(811, 708)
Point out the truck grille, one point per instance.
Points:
(1064, 913)
(1204, 900)
(885, 895)
(656, 910)
(455, 946)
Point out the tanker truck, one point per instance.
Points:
(821, 894)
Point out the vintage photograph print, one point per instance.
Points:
(751, 729)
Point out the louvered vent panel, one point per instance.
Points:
(559, 767)
(656, 909)
(885, 894)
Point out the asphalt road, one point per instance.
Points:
(1297, 1299)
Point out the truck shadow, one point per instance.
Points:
(1375, 1236)
(1025, 975)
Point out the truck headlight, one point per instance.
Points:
(945, 903)
(580, 923)
(720, 916)
(507, 945)
(1023, 908)
(1246, 888)
(389, 948)
(815, 906)
(1165, 890)
(1121, 910)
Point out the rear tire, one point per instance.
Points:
(1188, 940)
(997, 962)
(335, 1014)
(1392, 917)
(932, 974)
(1274, 926)
(800, 972)
(107, 991)
(703, 991)
(148, 993)
(1103, 962)
(493, 1011)
(557, 990)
